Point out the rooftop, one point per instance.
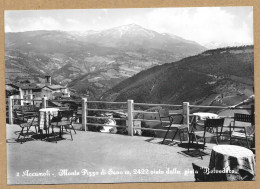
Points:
(24, 85)
(55, 87)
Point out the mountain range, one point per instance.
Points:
(220, 77)
(91, 62)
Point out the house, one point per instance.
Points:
(24, 91)
(56, 89)
(35, 91)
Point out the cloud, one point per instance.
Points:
(7, 28)
(200, 24)
(72, 21)
(18, 23)
(45, 23)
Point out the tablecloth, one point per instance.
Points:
(232, 159)
(45, 114)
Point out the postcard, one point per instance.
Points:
(130, 95)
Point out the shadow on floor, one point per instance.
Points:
(193, 153)
(167, 142)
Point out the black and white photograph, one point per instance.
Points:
(130, 95)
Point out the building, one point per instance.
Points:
(35, 91)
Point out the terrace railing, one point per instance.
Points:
(130, 108)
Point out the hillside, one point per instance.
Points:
(70, 57)
(220, 77)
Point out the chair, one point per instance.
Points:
(200, 173)
(209, 132)
(25, 122)
(29, 110)
(64, 120)
(176, 122)
(241, 132)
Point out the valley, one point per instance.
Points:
(214, 77)
(131, 62)
(77, 58)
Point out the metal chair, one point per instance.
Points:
(64, 120)
(210, 130)
(241, 132)
(176, 123)
(25, 122)
(200, 173)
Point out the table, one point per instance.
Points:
(45, 116)
(200, 117)
(233, 159)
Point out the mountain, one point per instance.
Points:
(92, 62)
(216, 44)
(221, 77)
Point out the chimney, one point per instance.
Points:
(47, 80)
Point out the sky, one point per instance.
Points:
(204, 25)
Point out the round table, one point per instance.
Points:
(44, 115)
(200, 117)
(205, 115)
(233, 160)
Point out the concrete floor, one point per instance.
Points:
(98, 158)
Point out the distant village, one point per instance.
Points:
(36, 91)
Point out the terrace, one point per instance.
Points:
(94, 157)
(94, 152)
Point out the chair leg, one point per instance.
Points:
(204, 142)
(54, 134)
(21, 132)
(25, 134)
(190, 136)
(247, 142)
(198, 146)
(221, 132)
(41, 133)
(180, 135)
(73, 129)
(61, 130)
(166, 134)
(175, 134)
(217, 140)
(183, 135)
(230, 133)
(71, 134)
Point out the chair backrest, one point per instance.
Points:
(210, 124)
(214, 122)
(18, 119)
(163, 113)
(199, 173)
(163, 116)
(246, 118)
(63, 115)
(176, 119)
(243, 118)
(31, 108)
(173, 118)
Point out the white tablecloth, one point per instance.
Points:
(205, 115)
(44, 116)
(231, 157)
